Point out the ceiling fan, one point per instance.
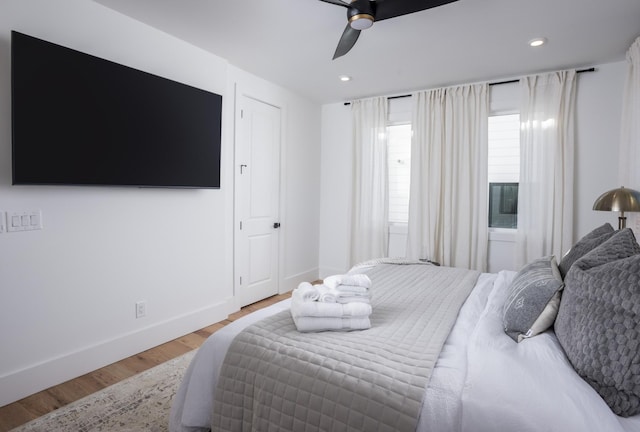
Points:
(361, 15)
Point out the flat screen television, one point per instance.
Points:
(81, 120)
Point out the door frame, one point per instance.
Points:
(270, 97)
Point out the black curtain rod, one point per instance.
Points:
(490, 84)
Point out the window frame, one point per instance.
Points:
(500, 233)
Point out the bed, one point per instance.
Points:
(482, 379)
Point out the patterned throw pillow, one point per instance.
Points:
(592, 240)
(534, 296)
(598, 324)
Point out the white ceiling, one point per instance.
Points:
(291, 42)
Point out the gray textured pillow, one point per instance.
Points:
(598, 324)
(532, 303)
(587, 243)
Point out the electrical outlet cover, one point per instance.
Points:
(141, 309)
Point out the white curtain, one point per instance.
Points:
(545, 200)
(630, 133)
(448, 219)
(369, 227)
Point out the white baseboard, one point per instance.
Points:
(32, 379)
(292, 282)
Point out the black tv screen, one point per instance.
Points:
(81, 120)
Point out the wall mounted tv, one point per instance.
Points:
(81, 120)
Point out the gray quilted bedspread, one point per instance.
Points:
(277, 379)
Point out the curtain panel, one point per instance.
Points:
(545, 201)
(370, 203)
(448, 210)
(630, 127)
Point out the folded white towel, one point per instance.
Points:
(317, 324)
(337, 310)
(352, 289)
(361, 280)
(339, 293)
(306, 292)
(357, 280)
(353, 299)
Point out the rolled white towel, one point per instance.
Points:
(306, 292)
(320, 309)
(318, 324)
(361, 280)
(327, 295)
(332, 281)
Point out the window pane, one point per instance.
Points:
(504, 148)
(504, 170)
(503, 205)
(399, 154)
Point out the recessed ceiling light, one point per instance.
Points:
(344, 78)
(537, 42)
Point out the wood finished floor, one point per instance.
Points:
(39, 404)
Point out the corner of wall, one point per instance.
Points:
(292, 282)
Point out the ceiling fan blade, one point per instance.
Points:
(393, 8)
(347, 41)
(336, 2)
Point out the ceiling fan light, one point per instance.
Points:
(361, 21)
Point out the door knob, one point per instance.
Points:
(276, 224)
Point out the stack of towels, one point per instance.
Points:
(342, 302)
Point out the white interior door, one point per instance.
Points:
(257, 200)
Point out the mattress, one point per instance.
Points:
(482, 380)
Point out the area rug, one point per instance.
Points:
(140, 403)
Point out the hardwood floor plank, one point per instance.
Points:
(192, 340)
(111, 374)
(41, 403)
(236, 315)
(15, 416)
(208, 331)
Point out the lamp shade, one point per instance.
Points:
(622, 200)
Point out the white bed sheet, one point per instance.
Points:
(528, 386)
(472, 385)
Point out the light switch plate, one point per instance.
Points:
(35, 219)
(24, 221)
(14, 221)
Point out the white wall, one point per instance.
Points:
(336, 161)
(598, 114)
(598, 110)
(301, 194)
(67, 292)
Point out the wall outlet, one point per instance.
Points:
(141, 309)
(3, 223)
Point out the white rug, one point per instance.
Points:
(139, 403)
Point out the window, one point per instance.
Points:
(504, 170)
(399, 163)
